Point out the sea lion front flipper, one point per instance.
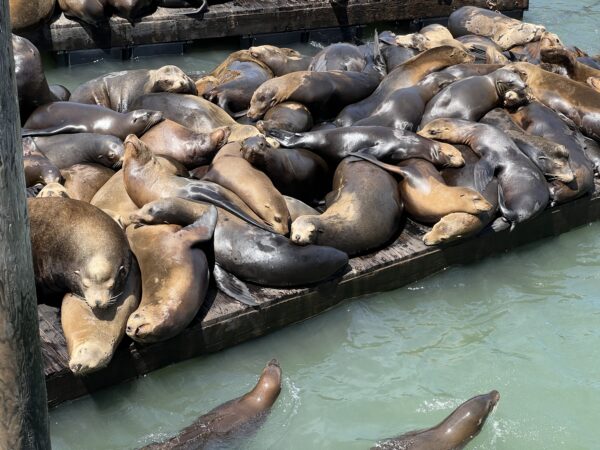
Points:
(363, 154)
(484, 173)
(233, 286)
(203, 228)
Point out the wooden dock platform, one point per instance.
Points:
(228, 322)
(247, 17)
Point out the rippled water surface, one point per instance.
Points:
(526, 323)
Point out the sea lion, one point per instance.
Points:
(522, 192)
(473, 97)
(239, 415)
(430, 36)
(199, 6)
(174, 276)
(132, 9)
(576, 101)
(233, 172)
(92, 12)
(60, 92)
(531, 52)
(52, 190)
(118, 90)
(70, 117)
(298, 208)
(29, 14)
(405, 75)
(83, 181)
(461, 71)
(77, 248)
(395, 56)
(361, 193)
(323, 93)
(453, 433)
(93, 336)
(340, 56)
(296, 172)
(32, 87)
(503, 30)
(38, 168)
(281, 60)
(66, 150)
(248, 252)
(289, 116)
(381, 142)
(191, 149)
(575, 70)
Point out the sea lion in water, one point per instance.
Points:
(453, 433)
(118, 90)
(239, 414)
(363, 211)
(83, 181)
(191, 149)
(77, 248)
(28, 14)
(70, 117)
(38, 168)
(296, 172)
(281, 60)
(501, 29)
(174, 276)
(66, 150)
(289, 116)
(93, 336)
(405, 75)
(92, 12)
(250, 253)
(381, 142)
(523, 192)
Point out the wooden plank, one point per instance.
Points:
(237, 18)
(228, 323)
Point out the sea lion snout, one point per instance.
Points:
(481, 204)
(89, 357)
(452, 154)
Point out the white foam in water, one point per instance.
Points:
(437, 405)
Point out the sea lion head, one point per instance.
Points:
(100, 282)
(113, 153)
(273, 56)
(453, 55)
(172, 79)
(264, 97)
(305, 230)
(153, 213)
(253, 149)
(53, 190)
(451, 227)
(472, 201)
(440, 129)
(507, 80)
(269, 384)
(448, 155)
(468, 419)
(142, 120)
(555, 163)
(89, 357)
(136, 150)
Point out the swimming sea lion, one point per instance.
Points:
(281, 60)
(93, 336)
(503, 30)
(118, 90)
(383, 143)
(83, 181)
(38, 168)
(174, 276)
(453, 433)
(340, 56)
(92, 12)
(70, 117)
(236, 415)
(523, 192)
(27, 14)
(363, 211)
(289, 116)
(77, 248)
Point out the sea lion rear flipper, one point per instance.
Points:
(203, 228)
(233, 286)
(484, 173)
(363, 154)
(51, 131)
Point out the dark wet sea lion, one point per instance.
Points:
(174, 276)
(66, 150)
(298, 208)
(383, 143)
(28, 14)
(238, 415)
(531, 52)
(83, 181)
(523, 192)
(503, 30)
(132, 9)
(405, 75)
(60, 92)
(70, 117)
(591, 149)
(340, 56)
(253, 186)
(77, 248)
(248, 252)
(289, 116)
(32, 86)
(118, 90)
(395, 56)
(191, 149)
(281, 60)
(453, 433)
(460, 71)
(473, 97)
(93, 336)
(363, 211)
(93, 12)
(296, 172)
(38, 168)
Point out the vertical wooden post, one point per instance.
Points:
(23, 405)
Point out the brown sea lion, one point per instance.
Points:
(93, 12)
(363, 211)
(430, 36)
(83, 181)
(27, 14)
(296, 172)
(453, 433)
(174, 276)
(53, 190)
(38, 168)
(405, 75)
(70, 117)
(531, 52)
(503, 30)
(233, 172)
(575, 70)
(93, 336)
(461, 71)
(289, 116)
(298, 208)
(191, 149)
(239, 415)
(118, 90)
(281, 60)
(77, 248)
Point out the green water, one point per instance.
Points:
(526, 323)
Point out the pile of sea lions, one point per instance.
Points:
(276, 167)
